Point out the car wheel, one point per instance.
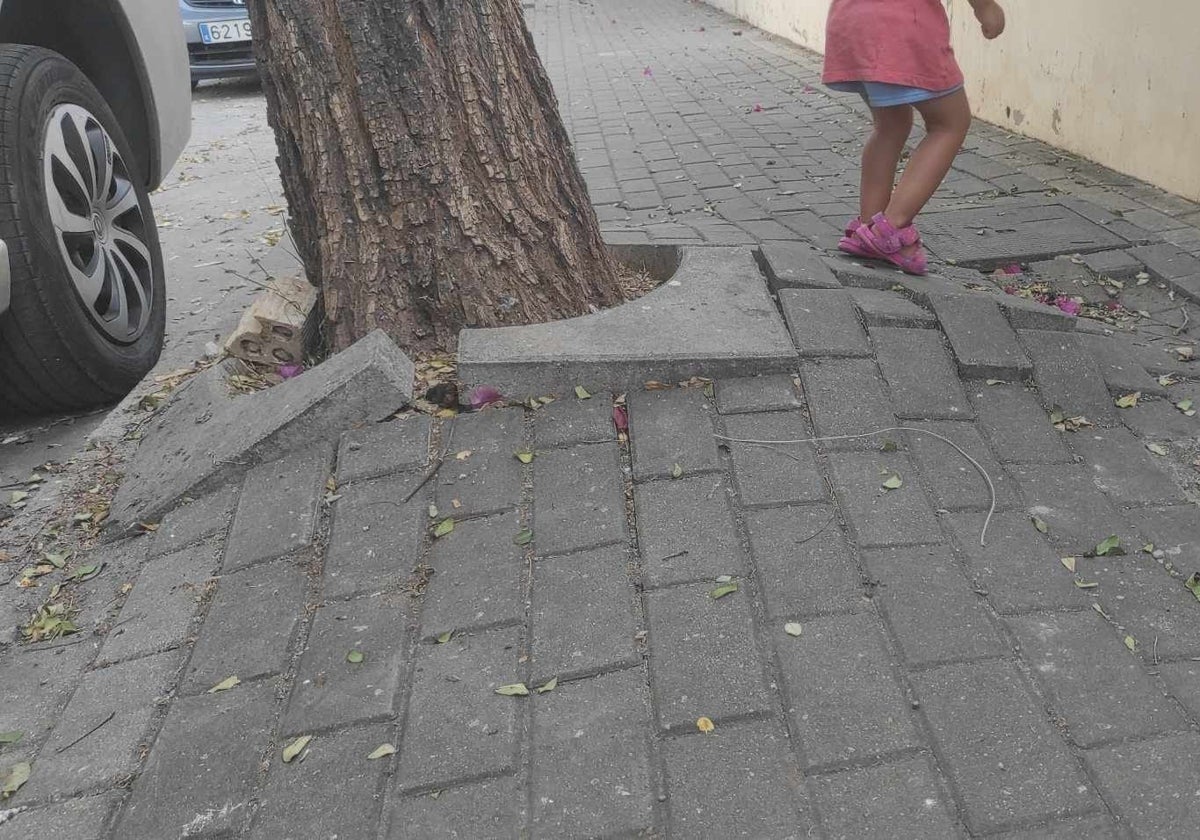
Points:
(88, 303)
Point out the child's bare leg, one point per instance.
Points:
(947, 120)
(881, 156)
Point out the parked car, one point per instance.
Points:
(94, 110)
(218, 38)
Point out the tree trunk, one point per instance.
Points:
(430, 180)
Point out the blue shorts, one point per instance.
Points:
(881, 95)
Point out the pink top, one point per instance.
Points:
(899, 42)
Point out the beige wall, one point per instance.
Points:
(1117, 81)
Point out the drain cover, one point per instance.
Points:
(1013, 234)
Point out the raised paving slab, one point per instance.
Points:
(983, 343)
(1067, 376)
(922, 380)
(1019, 234)
(881, 308)
(824, 322)
(794, 265)
(777, 392)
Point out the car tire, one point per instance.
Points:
(88, 306)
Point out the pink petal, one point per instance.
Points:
(1069, 305)
(809, 89)
(647, 72)
(620, 418)
(1012, 268)
(1010, 290)
(290, 371)
(484, 395)
(757, 108)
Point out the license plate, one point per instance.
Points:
(225, 31)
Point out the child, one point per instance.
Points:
(896, 54)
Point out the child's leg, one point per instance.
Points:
(881, 156)
(947, 120)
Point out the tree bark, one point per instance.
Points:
(430, 180)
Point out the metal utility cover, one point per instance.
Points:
(1013, 234)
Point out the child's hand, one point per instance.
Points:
(991, 18)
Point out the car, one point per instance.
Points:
(218, 37)
(94, 110)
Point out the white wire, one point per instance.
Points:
(978, 467)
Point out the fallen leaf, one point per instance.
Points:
(620, 418)
(514, 690)
(444, 527)
(793, 628)
(1100, 610)
(996, 382)
(722, 591)
(1167, 380)
(224, 685)
(58, 560)
(1193, 585)
(11, 737)
(17, 775)
(1129, 400)
(525, 456)
(523, 537)
(893, 482)
(582, 393)
(445, 637)
(381, 751)
(1157, 449)
(1186, 407)
(16, 497)
(1068, 564)
(676, 471)
(1148, 548)
(1040, 524)
(354, 657)
(1112, 546)
(1131, 642)
(550, 685)
(704, 725)
(723, 578)
(463, 455)
(889, 445)
(294, 749)
(88, 572)
(1085, 584)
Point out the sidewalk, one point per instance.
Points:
(876, 672)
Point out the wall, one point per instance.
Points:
(1117, 81)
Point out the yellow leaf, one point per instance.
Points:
(295, 748)
(224, 685)
(705, 725)
(381, 751)
(1069, 564)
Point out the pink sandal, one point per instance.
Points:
(881, 240)
(849, 244)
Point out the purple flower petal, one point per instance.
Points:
(1069, 305)
(290, 371)
(485, 395)
(620, 418)
(1012, 268)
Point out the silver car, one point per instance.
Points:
(94, 110)
(218, 39)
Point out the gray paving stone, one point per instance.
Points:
(277, 510)
(1166, 262)
(1064, 272)
(1123, 468)
(77, 819)
(847, 397)
(740, 781)
(776, 392)
(489, 430)
(35, 686)
(457, 726)
(376, 536)
(983, 343)
(249, 626)
(159, 610)
(203, 769)
(1119, 367)
(487, 480)
(1162, 420)
(878, 516)
(1148, 604)
(954, 483)
(792, 265)
(1183, 682)
(1028, 232)
(128, 693)
(882, 308)
(1117, 265)
(1095, 686)
(904, 799)
(477, 575)
(288, 807)
(1017, 425)
(931, 607)
(1077, 515)
(1006, 761)
(862, 274)
(382, 448)
(1175, 529)
(841, 694)
(489, 810)
(1017, 567)
(804, 565)
(329, 690)
(1068, 376)
(686, 531)
(920, 375)
(581, 613)
(703, 659)
(669, 428)
(1153, 785)
(194, 521)
(780, 473)
(1026, 314)
(568, 421)
(591, 770)
(824, 322)
(1096, 827)
(578, 499)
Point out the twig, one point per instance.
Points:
(1156, 651)
(978, 467)
(673, 556)
(437, 466)
(1186, 318)
(820, 530)
(111, 715)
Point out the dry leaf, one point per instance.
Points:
(295, 748)
(381, 751)
(793, 628)
(514, 690)
(705, 725)
(225, 684)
